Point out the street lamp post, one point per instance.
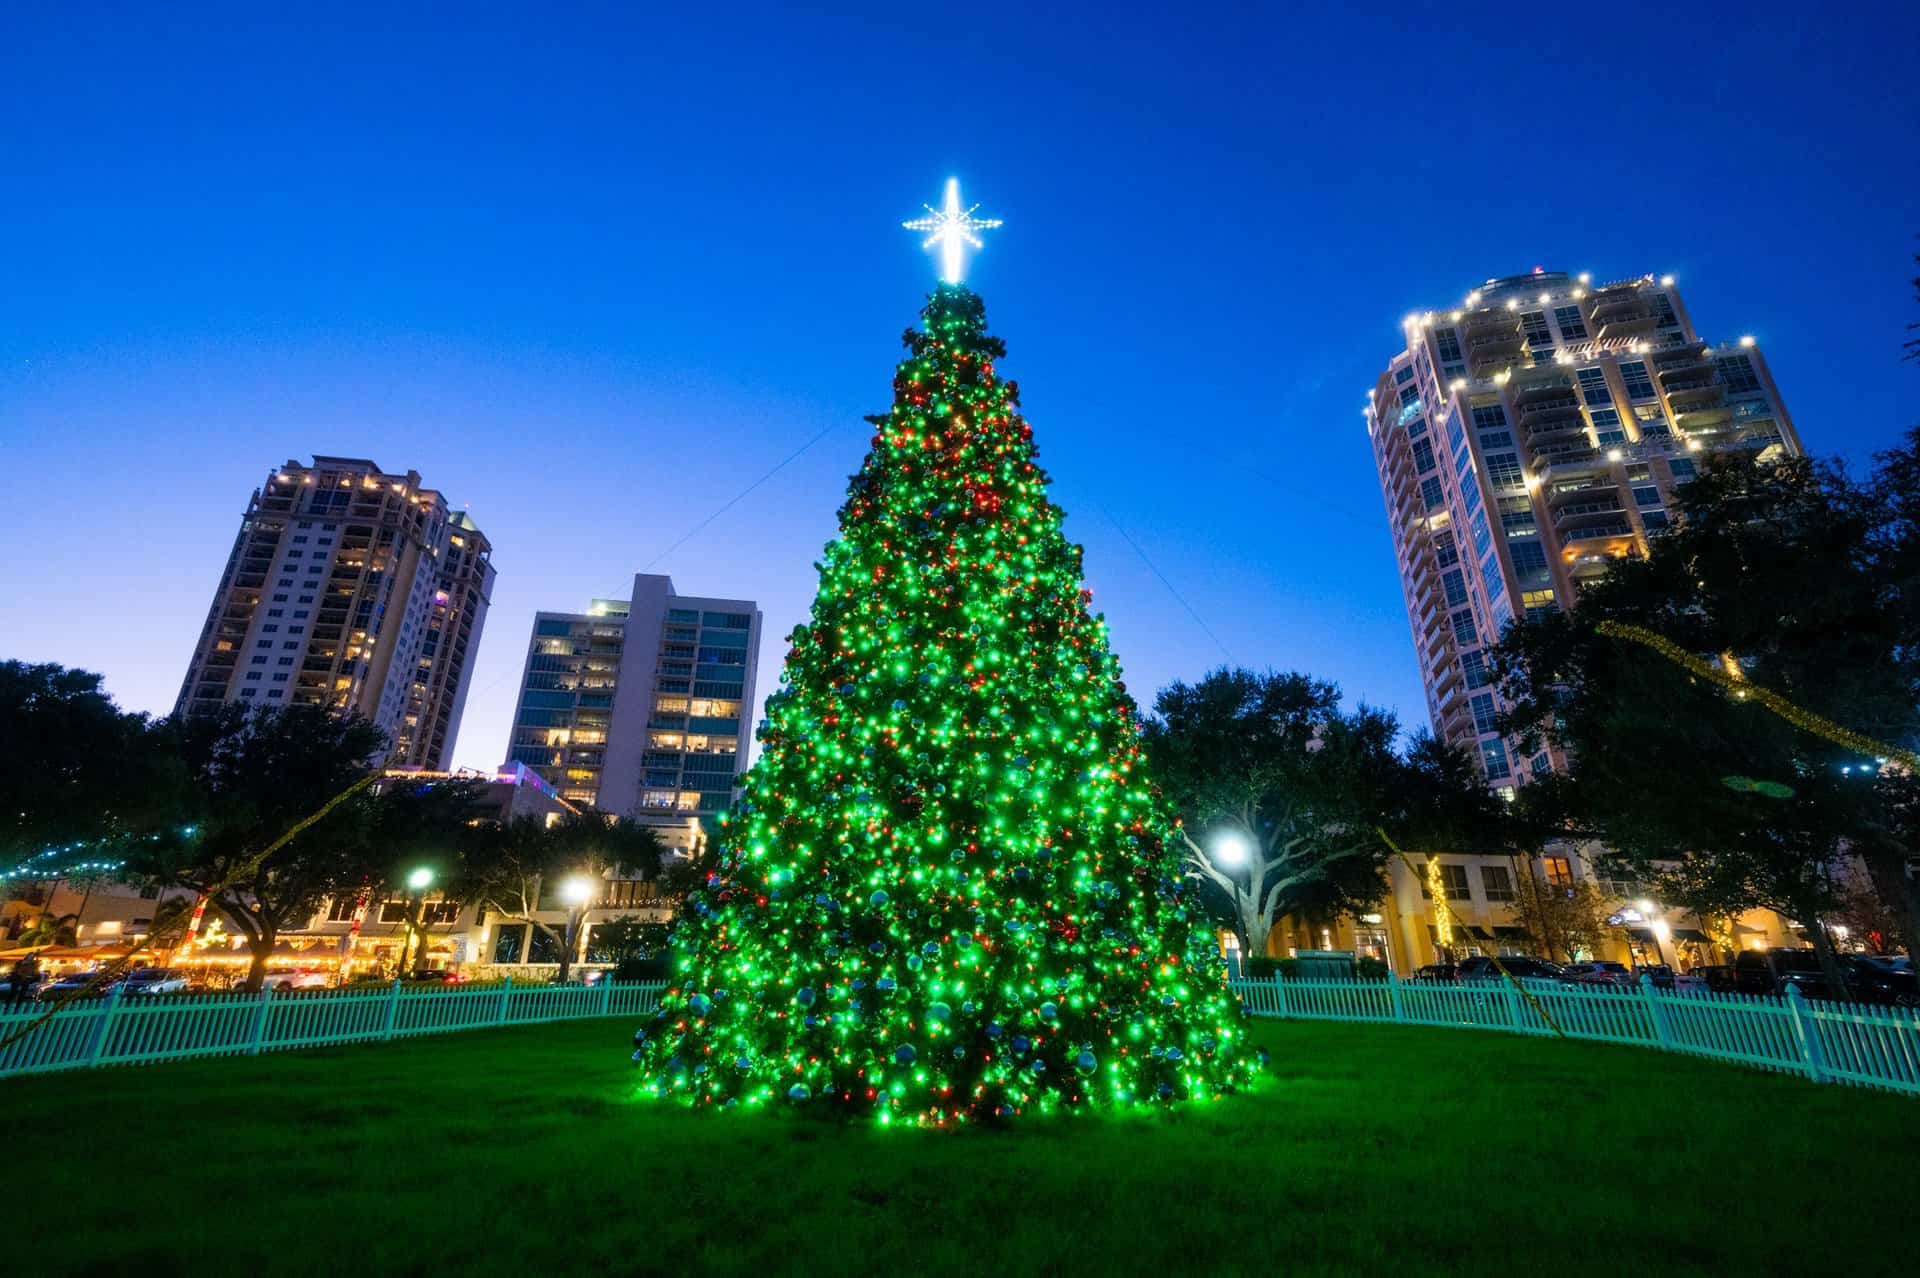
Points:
(418, 881)
(1657, 928)
(1231, 850)
(576, 893)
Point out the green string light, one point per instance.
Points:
(948, 892)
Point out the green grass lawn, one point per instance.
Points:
(1373, 1150)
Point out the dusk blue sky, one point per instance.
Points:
(592, 271)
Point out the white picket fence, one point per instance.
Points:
(1826, 1042)
(140, 1030)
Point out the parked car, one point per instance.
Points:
(62, 986)
(1767, 971)
(1601, 972)
(1867, 977)
(305, 978)
(1721, 979)
(153, 980)
(1521, 966)
(1659, 974)
(1873, 979)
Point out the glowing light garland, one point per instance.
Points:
(949, 892)
(1732, 681)
(953, 228)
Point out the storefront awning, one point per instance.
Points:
(1693, 934)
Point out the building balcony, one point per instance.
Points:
(1627, 328)
(1554, 464)
(1599, 532)
(1457, 728)
(1704, 419)
(1544, 405)
(1616, 300)
(1553, 433)
(1573, 510)
(1683, 356)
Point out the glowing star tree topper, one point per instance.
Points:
(952, 228)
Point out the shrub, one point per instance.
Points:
(1369, 968)
(1264, 967)
(653, 967)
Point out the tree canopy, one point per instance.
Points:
(1784, 573)
(1283, 795)
(75, 768)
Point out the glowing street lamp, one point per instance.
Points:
(419, 879)
(1232, 848)
(576, 891)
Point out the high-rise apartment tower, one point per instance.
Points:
(355, 589)
(643, 706)
(1527, 438)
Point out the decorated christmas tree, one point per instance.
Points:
(948, 891)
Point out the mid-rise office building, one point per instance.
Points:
(1529, 437)
(355, 589)
(642, 707)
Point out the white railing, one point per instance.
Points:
(1826, 1042)
(136, 1030)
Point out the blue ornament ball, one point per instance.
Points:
(1086, 1062)
(904, 1054)
(799, 1092)
(805, 996)
(1049, 1011)
(700, 1005)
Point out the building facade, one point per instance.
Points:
(348, 936)
(642, 707)
(355, 589)
(1484, 914)
(1528, 438)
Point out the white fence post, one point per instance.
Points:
(1516, 1005)
(1279, 995)
(1806, 1029)
(1393, 996)
(97, 1046)
(393, 1009)
(606, 996)
(260, 1020)
(1656, 1013)
(506, 992)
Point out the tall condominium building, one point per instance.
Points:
(1527, 438)
(641, 707)
(351, 588)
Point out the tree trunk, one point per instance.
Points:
(1829, 961)
(1253, 935)
(566, 950)
(261, 948)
